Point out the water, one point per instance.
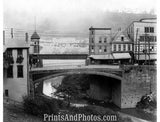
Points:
(48, 88)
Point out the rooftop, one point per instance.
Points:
(91, 28)
(35, 36)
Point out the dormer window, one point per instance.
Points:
(122, 38)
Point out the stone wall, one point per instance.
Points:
(137, 81)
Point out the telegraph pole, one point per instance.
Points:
(137, 45)
(149, 49)
(138, 50)
(149, 39)
(145, 47)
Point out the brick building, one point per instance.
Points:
(100, 45)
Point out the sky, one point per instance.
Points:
(58, 13)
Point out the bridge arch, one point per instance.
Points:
(110, 89)
(80, 72)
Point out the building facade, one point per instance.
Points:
(121, 48)
(143, 34)
(16, 68)
(100, 45)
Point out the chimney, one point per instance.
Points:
(26, 35)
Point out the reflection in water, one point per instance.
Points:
(48, 84)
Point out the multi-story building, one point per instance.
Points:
(100, 45)
(16, 67)
(143, 34)
(121, 47)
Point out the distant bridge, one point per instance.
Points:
(60, 56)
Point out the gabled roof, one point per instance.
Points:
(35, 36)
(120, 33)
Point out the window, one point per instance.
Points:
(92, 40)
(147, 38)
(155, 38)
(10, 72)
(152, 29)
(105, 39)
(9, 52)
(6, 93)
(114, 47)
(149, 29)
(119, 47)
(146, 29)
(20, 52)
(124, 47)
(129, 47)
(100, 39)
(36, 49)
(92, 49)
(122, 38)
(151, 48)
(141, 38)
(100, 49)
(105, 49)
(20, 71)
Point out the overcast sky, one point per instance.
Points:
(19, 12)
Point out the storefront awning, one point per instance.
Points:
(142, 57)
(102, 57)
(121, 56)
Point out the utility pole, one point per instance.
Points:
(138, 50)
(136, 45)
(145, 47)
(149, 39)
